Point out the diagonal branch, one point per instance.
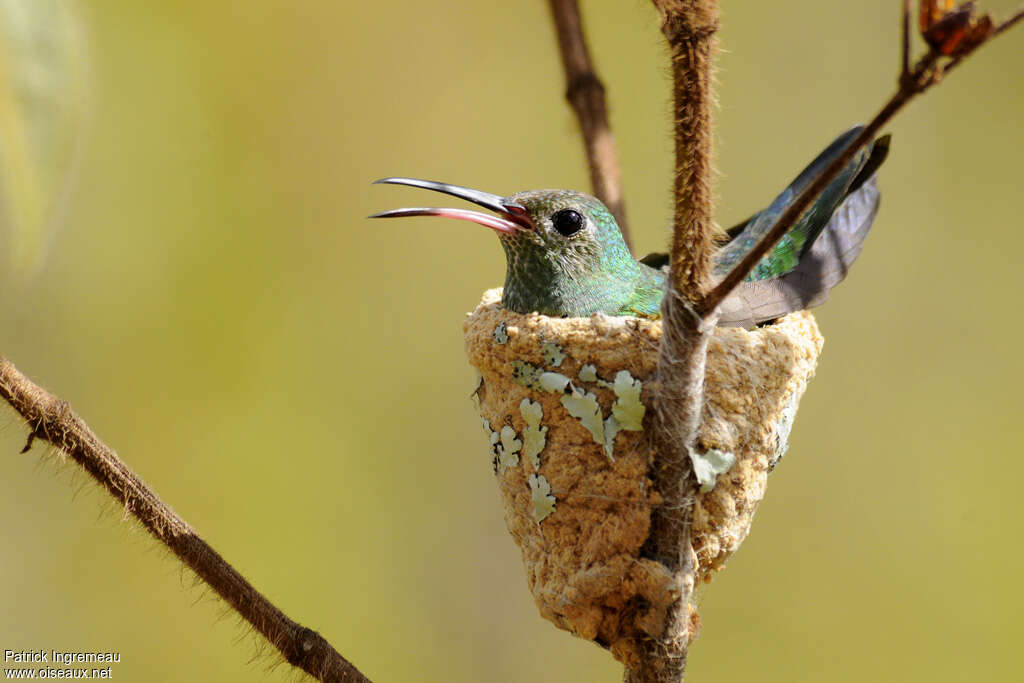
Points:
(928, 71)
(586, 93)
(1005, 25)
(794, 210)
(52, 420)
(1009, 22)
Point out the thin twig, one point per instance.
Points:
(905, 52)
(927, 72)
(1008, 23)
(51, 419)
(586, 94)
(799, 205)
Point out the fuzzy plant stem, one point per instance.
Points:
(689, 27)
(689, 309)
(586, 94)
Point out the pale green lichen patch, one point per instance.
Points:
(707, 466)
(611, 430)
(540, 493)
(492, 437)
(526, 374)
(508, 450)
(534, 435)
(500, 334)
(585, 408)
(588, 373)
(782, 428)
(552, 354)
(628, 409)
(554, 382)
(532, 377)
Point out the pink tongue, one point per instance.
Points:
(495, 223)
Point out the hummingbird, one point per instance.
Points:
(565, 255)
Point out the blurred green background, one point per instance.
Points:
(290, 376)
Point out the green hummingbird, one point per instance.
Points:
(565, 255)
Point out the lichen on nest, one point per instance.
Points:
(573, 397)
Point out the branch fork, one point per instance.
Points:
(690, 306)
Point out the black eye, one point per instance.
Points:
(567, 222)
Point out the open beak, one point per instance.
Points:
(510, 217)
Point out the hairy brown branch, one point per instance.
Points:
(689, 27)
(586, 93)
(51, 419)
(689, 311)
(905, 42)
(681, 366)
(928, 71)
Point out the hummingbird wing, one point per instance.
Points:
(879, 153)
(816, 254)
(786, 254)
(821, 267)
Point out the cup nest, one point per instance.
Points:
(566, 404)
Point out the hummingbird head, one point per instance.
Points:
(564, 252)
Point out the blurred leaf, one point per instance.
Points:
(42, 94)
